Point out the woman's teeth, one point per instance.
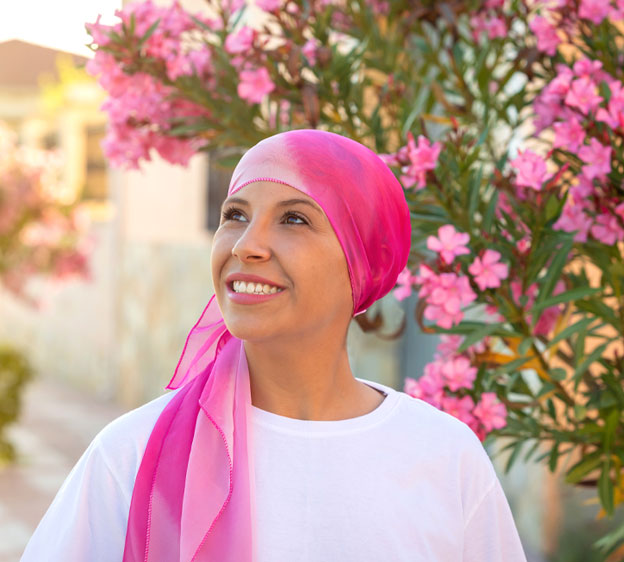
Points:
(254, 288)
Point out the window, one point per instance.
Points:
(221, 164)
(96, 177)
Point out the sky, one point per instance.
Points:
(58, 24)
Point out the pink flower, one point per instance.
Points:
(574, 219)
(426, 278)
(449, 243)
(524, 245)
(589, 68)
(99, 32)
(422, 157)
(569, 135)
(240, 41)
(531, 170)
(494, 26)
(429, 387)
(390, 159)
(195, 62)
(607, 229)
(597, 158)
(517, 293)
(380, 7)
(546, 34)
(269, 5)
(405, 281)
(488, 271)
(448, 344)
(460, 408)
(458, 373)
(175, 150)
(583, 95)
(255, 84)
(232, 6)
(614, 115)
(448, 293)
(548, 104)
(617, 14)
(490, 412)
(309, 50)
(594, 10)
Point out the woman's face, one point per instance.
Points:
(277, 266)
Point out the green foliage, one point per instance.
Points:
(15, 372)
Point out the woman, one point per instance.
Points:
(270, 450)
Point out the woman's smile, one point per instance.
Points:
(250, 289)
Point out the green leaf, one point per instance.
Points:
(605, 488)
(488, 218)
(583, 467)
(559, 261)
(589, 359)
(611, 541)
(580, 412)
(477, 335)
(600, 309)
(200, 23)
(554, 457)
(512, 365)
(483, 136)
(611, 423)
(567, 296)
(558, 373)
(524, 346)
(532, 450)
(552, 412)
(570, 330)
(148, 33)
(474, 192)
(514, 455)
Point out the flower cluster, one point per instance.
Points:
(142, 59)
(586, 125)
(489, 21)
(38, 234)
(445, 292)
(140, 106)
(447, 384)
(415, 160)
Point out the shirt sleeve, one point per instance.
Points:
(490, 534)
(87, 520)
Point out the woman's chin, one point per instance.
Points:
(250, 329)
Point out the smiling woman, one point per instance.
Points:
(269, 449)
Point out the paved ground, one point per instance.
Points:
(56, 426)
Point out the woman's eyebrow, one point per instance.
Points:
(289, 202)
(285, 203)
(238, 200)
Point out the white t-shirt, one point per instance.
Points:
(404, 482)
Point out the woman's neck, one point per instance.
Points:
(310, 381)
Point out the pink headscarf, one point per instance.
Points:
(193, 498)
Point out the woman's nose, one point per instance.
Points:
(253, 244)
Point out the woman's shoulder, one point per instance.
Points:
(136, 424)
(420, 422)
(125, 438)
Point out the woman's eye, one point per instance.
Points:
(293, 218)
(232, 215)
